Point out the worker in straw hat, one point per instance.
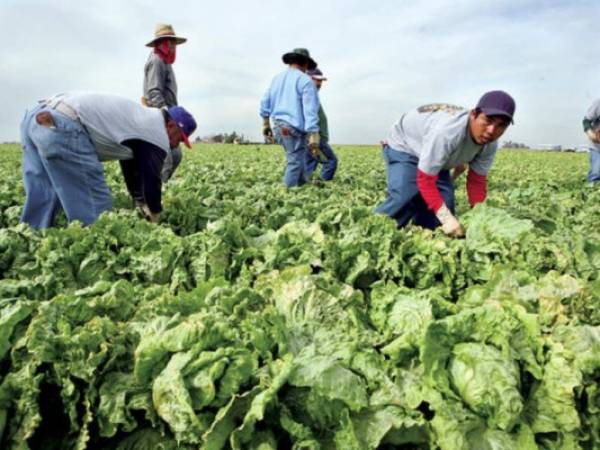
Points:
(160, 86)
(292, 105)
(327, 156)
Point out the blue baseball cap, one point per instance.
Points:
(497, 103)
(184, 120)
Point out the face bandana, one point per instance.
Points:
(164, 52)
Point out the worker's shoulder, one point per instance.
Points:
(441, 108)
(439, 115)
(452, 125)
(154, 61)
(292, 79)
(304, 79)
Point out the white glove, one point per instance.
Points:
(314, 139)
(592, 136)
(266, 128)
(450, 224)
(148, 215)
(154, 217)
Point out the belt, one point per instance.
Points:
(61, 107)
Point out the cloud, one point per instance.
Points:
(382, 58)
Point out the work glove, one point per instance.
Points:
(450, 224)
(148, 215)
(154, 217)
(592, 136)
(266, 129)
(313, 144)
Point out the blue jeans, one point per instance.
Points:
(295, 146)
(404, 202)
(329, 166)
(594, 173)
(60, 169)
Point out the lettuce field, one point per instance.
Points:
(255, 317)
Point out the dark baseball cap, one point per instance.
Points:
(300, 56)
(184, 120)
(497, 103)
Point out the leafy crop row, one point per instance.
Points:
(255, 317)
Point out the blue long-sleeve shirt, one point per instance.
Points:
(294, 99)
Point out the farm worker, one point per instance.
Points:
(428, 141)
(292, 104)
(66, 137)
(160, 86)
(329, 159)
(591, 127)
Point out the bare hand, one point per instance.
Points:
(458, 171)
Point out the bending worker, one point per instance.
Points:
(328, 158)
(591, 127)
(66, 137)
(426, 143)
(160, 86)
(292, 103)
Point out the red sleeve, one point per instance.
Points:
(476, 187)
(429, 191)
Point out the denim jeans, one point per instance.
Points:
(594, 173)
(329, 166)
(404, 202)
(295, 146)
(61, 169)
(172, 161)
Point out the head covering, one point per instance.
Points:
(164, 31)
(299, 56)
(165, 51)
(185, 122)
(316, 74)
(497, 103)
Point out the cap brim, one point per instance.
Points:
(318, 77)
(178, 40)
(186, 140)
(497, 112)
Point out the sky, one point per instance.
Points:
(382, 58)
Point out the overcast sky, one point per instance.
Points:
(383, 57)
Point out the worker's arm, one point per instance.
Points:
(591, 122)
(156, 76)
(589, 131)
(148, 160)
(476, 187)
(434, 154)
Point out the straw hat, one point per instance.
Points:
(164, 31)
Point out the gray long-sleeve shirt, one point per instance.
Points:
(438, 135)
(160, 86)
